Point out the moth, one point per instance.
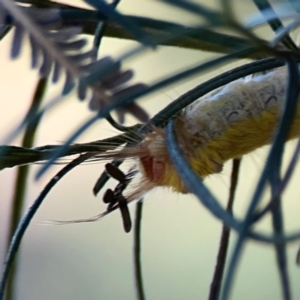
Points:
(227, 123)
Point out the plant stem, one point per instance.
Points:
(216, 283)
(21, 178)
(137, 252)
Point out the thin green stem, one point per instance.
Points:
(215, 287)
(26, 219)
(21, 178)
(140, 292)
(204, 39)
(4, 30)
(275, 24)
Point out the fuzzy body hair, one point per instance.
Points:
(226, 123)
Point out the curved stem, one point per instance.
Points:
(26, 219)
(140, 293)
(21, 178)
(216, 283)
(205, 39)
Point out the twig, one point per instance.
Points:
(25, 221)
(21, 178)
(140, 293)
(216, 283)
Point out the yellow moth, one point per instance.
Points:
(227, 123)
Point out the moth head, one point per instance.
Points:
(155, 164)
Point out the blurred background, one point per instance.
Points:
(179, 237)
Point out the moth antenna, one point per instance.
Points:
(87, 220)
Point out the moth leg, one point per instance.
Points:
(114, 172)
(125, 213)
(116, 198)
